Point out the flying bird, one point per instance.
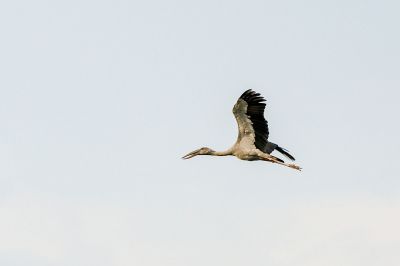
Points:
(252, 142)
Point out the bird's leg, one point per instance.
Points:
(291, 165)
(267, 157)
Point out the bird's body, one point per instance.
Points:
(252, 143)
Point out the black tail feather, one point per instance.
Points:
(285, 152)
(278, 159)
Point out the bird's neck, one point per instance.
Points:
(221, 153)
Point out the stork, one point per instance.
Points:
(252, 142)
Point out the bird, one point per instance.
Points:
(252, 143)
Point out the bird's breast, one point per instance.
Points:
(246, 155)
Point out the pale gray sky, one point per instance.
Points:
(100, 99)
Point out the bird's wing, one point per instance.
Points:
(249, 114)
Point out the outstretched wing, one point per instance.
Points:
(249, 114)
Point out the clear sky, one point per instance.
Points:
(100, 99)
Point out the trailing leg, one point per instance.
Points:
(273, 159)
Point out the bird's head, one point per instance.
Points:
(201, 151)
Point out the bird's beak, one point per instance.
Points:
(191, 154)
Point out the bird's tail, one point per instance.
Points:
(284, 152)
(278, 159)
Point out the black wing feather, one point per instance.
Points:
(255, 112)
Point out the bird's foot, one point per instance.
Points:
(294, 166)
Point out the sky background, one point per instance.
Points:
(100, 99)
